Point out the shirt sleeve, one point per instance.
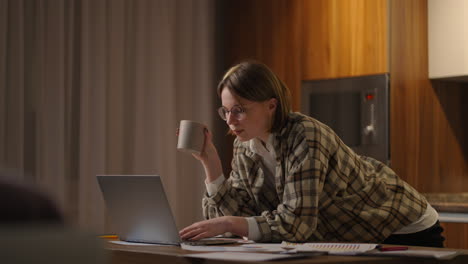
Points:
(233, 196)
(230, 198)
(212, 187)
(254, 231)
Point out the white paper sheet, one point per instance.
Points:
(255, 247)
(267, 247)
(136, 244)
(239, 256)
(417, 253)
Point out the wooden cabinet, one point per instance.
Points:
(448, 39)
(344, 38)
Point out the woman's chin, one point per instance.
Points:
(243, 139)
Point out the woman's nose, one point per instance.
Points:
(230, 118)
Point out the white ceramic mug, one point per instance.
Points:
(191, 136)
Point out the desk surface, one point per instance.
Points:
(123, 254)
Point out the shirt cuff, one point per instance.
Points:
(254, 231)
(212, 187)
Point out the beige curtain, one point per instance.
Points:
(98, 87)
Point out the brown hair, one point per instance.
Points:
(254, 81)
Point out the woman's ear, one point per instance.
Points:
(272, 104)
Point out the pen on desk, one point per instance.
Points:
(398, 248)
(109, 236)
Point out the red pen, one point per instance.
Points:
(392, 248)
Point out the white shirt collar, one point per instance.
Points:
(257, 147)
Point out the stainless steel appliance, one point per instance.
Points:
(356, 108)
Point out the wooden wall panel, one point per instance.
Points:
(428, 133)
(344, 38)
(456, 235)
(429, 127)
(268, 31)
(408, 80)
(443, 138)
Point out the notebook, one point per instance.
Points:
(139, 210)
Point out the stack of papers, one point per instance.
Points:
(331, 248)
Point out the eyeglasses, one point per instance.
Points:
(236, 111)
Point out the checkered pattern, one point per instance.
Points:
(324, 191)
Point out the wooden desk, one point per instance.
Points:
(126, 254)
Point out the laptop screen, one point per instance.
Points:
(138, 208)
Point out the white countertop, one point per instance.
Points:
(453, 217)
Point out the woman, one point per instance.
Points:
(293, 179)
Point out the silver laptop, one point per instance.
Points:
(138, 208)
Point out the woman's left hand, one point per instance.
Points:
(216, 226)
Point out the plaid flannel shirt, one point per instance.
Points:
(324, 191)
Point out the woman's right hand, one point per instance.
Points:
(208, 149)
(209, 157)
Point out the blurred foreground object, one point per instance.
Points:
(49, 244)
